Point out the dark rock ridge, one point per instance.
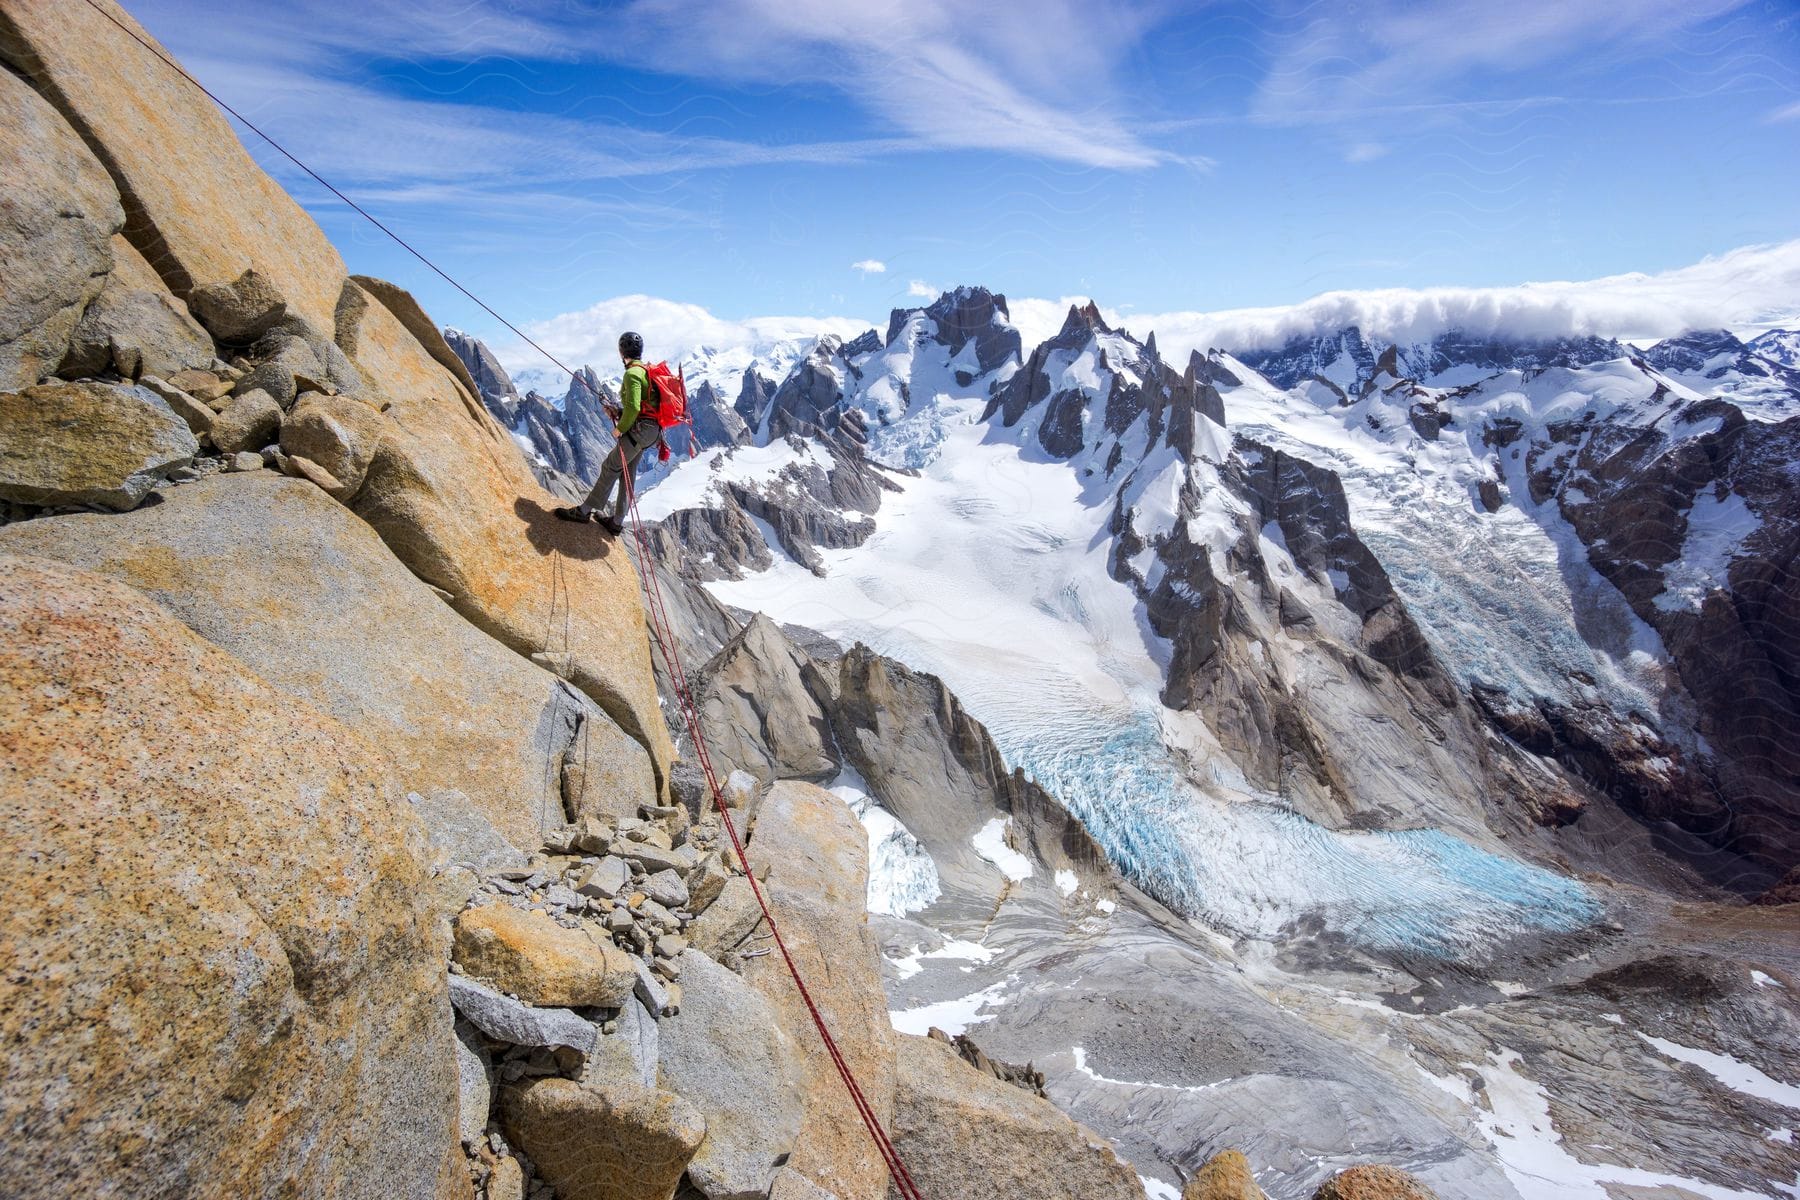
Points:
(1141, 385)
(967, 314)
(1347, 352)
(1636, 496)
(566, 443)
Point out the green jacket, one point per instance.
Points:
(633, 390)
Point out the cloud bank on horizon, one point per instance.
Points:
(1744, 289)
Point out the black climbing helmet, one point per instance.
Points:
(631, 345)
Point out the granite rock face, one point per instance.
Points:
(300, 591)
(135, 326)
(58, 213)
(728, 1055)
(817, 858)
(760, 708)
(621, 1142)
(88, 444)
(530, 956)
(199, 217)
(450, 495)
(965, 1135)
(262, 1009)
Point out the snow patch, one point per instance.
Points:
(1066, 882)
(990, 843)
(1734, 1073)
(952, 1016)
(1516, 1123)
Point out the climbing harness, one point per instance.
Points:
(661, 634)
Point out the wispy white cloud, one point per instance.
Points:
(1347, 61)
(1035, 80)
(921, 290)
(1732, 290)
(1790, 112)
(869, 266)
(671, 330)
(1363, 152)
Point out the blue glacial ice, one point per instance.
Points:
(1251, 868)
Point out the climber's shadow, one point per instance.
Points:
(570, 539)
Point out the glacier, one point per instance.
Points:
(989, 570)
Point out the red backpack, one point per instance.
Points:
(668, 406)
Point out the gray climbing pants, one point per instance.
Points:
(640, 437)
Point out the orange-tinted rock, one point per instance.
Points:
(532, 957)
(1225, 1176)
(221, 980)
(449, 493)
(196, 204)
(304, 594)
(58, 212)
(817, 857)
(1373, 1182)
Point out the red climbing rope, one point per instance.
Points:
(663, 635)
(661, 632)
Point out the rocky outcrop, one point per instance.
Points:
(1224, 1176)
(817, 861)
(1373, 1183)
(218, 952)
(965, 1135)
(962, 316)
(272, 571)
(58, 214)
(530, 956)
(760, 708)
(727, 1054)
(1692, 517)
(88, 444)
(451, 497)
(620, 1142)
(135, 326)
(199, 217)
(936, 768)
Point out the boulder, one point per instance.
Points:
(630, 1052)
(816, 855)
(297, 588)
(726, 1055)
(88, 444)
(450, 494)
(135, 326)
(965, 1135)
(241, 310)
(58, 213)
(532, 957)
(197, 205)
(216, 946)
(513, 1021)
(759, 706)
(338, 433)
(199, 418)
(727, 921)
(618, 1142)
(507, 1180)
(1373, 1182)
(250, 421)
(475, 1084)
(1225, 1176)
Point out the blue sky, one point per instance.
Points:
(742, 155)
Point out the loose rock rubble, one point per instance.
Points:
(562, 969)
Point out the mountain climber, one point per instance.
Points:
(637, 430)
